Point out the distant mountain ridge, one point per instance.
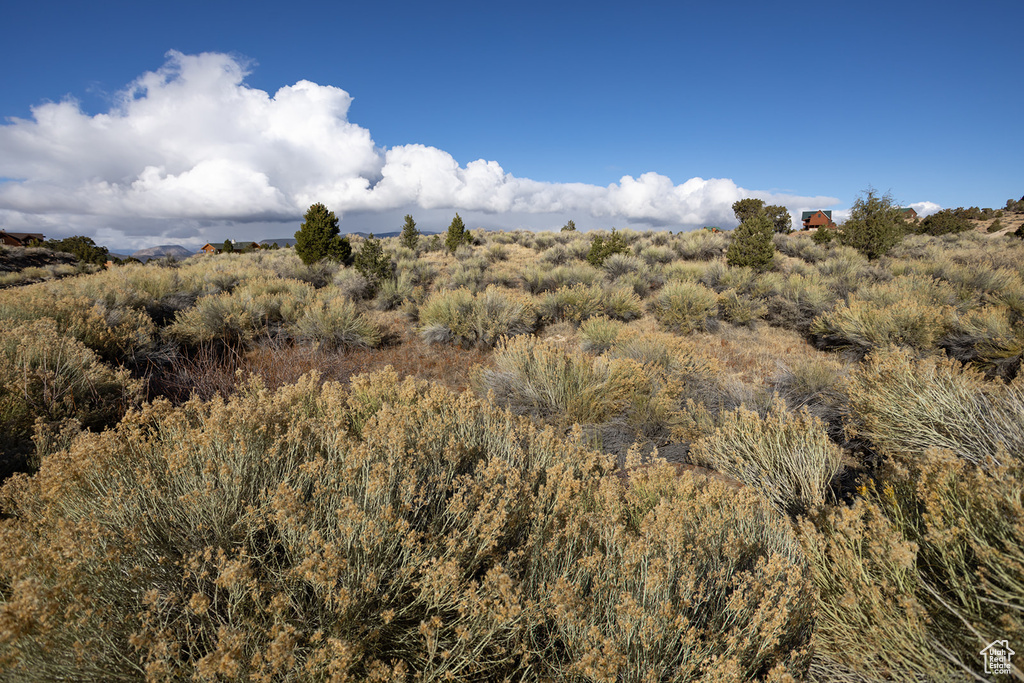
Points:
(174, 250)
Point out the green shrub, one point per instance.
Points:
(601, 249)
(373, 264)
(787, 457)
(334, 322)
(410, 237)
(480, 320)
(683, 307)
(752, 245)
(318, 237)
(457, 235)
(875, 225)
(942, 222)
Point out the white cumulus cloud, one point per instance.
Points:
(190, 148)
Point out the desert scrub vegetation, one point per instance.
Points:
(393, 530)
(683, 307)
(856, 420)
(786, 456)
(468, 319)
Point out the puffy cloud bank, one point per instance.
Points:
(191, 145)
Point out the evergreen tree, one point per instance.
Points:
(410, 235)
(227, 247)
(747, 208)
(373, 263)
(601, 249)
(569, 227)
(752, 244)
(82, 248)
(457, 234)
(875, 225)
(941, 223)
(318, 237)
(782, 222)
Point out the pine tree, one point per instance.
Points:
(569, 227)
(457, 234)
(410, 235)
(318, 237)
(752, 244)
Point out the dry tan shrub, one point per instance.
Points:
(907, 406)
(785, 456)
(118, 336)
(476, 319)
(930, 557)
(49, 378)
(683, 307)
(391, 529)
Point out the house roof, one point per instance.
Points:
(25, 235)
(807, 214)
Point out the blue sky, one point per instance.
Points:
(649, 114)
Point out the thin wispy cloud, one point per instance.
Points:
(192, 145)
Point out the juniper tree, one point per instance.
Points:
(752, 244)
(875, 225)
(782, 222)
(747, 208)
(601, 249)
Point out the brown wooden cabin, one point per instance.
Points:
(20, 239)
(817, 219)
